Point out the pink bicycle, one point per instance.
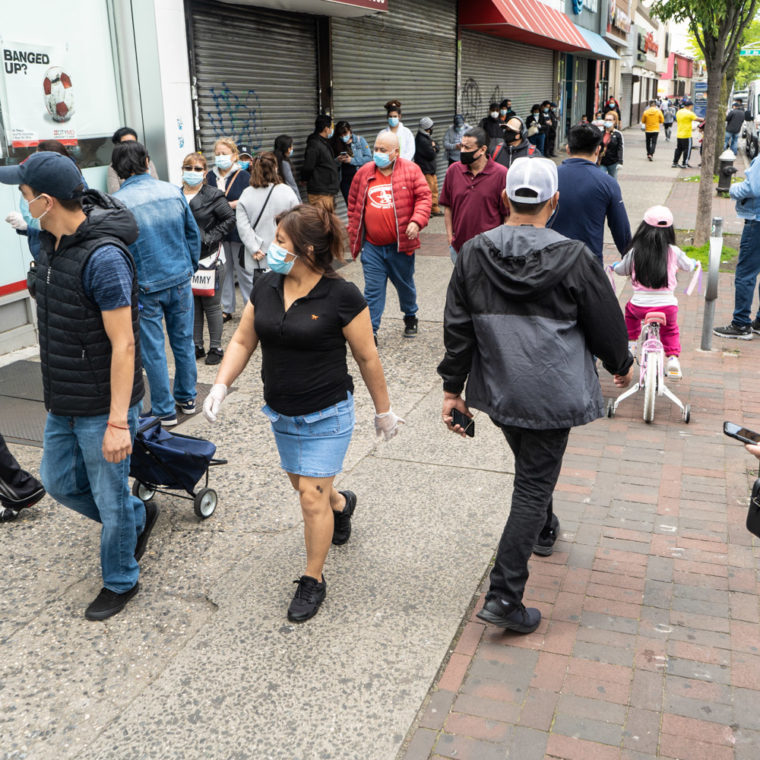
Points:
(651, 371)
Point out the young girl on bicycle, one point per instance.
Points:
(652, 262)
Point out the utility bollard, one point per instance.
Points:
(711, 290)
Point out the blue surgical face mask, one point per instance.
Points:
(346, 138)
(332, 132)
(393, 121)
(192, 178)
(381, 160)
(244, 164)
(223, 162)
(277, 259)
(609, 124)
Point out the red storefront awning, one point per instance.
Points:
(527, 21)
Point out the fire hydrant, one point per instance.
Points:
(726, 171)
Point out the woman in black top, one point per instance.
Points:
(612, 145)
(215, 218)
(303, 314)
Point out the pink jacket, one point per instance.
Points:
(412, 202)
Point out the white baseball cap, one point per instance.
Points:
(532, 180)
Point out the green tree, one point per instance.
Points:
(718, 27)
(748, 67)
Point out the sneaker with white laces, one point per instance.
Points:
(673, 368)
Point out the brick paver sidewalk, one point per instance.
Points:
(649, 644)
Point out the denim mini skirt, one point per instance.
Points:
(314, 445)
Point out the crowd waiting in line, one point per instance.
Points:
(112, 272)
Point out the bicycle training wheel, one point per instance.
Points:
(650, 388)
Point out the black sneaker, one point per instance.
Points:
(10, 499)
(200, 352)
(8, 514)
(544, 545)
(410, 327)
(108, 603)
(309, 595)
(674, 166)
(742, 332)
(214, 356)
(756, 325)
(151, 515)
(342, 529)
(168, 420)
(512, 617)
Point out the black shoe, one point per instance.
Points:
(512, 617)
(214, 356)
(674, 166)
(151, 515)
(410, 327)
(309, 595)
(8, 514)
(756, 325)
(108, 603)
(544, 545)
(342, 529)
(200, 352)
(742, 332)
(226, 317)
(10, 499)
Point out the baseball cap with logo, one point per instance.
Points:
(46, 172)
(532, 180)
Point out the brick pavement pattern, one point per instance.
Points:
(649, 646)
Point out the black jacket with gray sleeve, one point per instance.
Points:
(526, 311)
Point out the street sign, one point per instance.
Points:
(749, 52)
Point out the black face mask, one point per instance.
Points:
(468, 157)
(510, 136)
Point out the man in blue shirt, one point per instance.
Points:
(86, 292)
(166, 253)
(588, 196)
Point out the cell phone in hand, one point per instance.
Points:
(465, 422)
(741, 433)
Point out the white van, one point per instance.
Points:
(751, 130)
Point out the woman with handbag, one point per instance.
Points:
(215, 218)
(231, 179)
(612, 145)
(258, 207)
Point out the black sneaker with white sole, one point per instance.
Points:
(308, 597)
(742, 332)
(410, 327)
(342, 529)
(510, 616)
(544, 545)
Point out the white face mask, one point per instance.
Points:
(42, 214)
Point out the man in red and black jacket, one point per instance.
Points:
(388, 204)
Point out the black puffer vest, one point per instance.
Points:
(74, 347)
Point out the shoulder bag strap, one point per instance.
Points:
(266, 200)
(230, 182)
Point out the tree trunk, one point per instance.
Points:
(706, 186)
(720, 124)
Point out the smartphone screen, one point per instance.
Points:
(741, 433)
(465, 422)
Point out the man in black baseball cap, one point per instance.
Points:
(85, 286)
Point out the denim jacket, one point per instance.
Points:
(362, 152)
(747, 194)
(169, 244)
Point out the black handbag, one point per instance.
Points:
(753, 515)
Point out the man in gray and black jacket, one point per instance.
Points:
(527, 310)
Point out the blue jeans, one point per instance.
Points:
(747, 270)
(453, 253)
(732, 139)
(175, 305)
(539, 141)
(381, 263)
(75, 473)
(611, 169)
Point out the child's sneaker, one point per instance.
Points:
(674, 368)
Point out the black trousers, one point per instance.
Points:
(15, 484)
(538, 461)
(651, 138)
(683, 148)
(551, 142)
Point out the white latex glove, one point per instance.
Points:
(387, 424)
(213, 401)
(16, 220)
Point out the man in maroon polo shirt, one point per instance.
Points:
(472, 192)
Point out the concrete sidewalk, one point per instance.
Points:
(649, 644)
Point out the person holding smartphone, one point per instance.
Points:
(515, 290)
(351, 152)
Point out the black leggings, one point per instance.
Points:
(683, 148)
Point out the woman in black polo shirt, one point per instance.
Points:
(303, 314)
